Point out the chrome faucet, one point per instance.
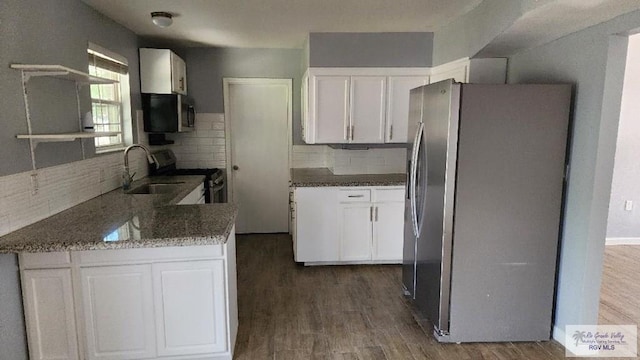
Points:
(127, 178)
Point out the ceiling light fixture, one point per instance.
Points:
(161, 18)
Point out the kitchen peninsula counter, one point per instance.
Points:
(318, 177)
(117, 220)
(161, 266)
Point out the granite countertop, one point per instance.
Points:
(316, 177)
(117, 220)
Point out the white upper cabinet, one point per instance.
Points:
(162, 72)
(356, 105)
(367, 109)
(371, 105)
(329, 108)
(178, 74)
(398, 106)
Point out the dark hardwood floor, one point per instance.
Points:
(288, 311)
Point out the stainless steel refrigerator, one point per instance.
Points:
(486, 170)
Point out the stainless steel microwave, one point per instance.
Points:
(168, 113)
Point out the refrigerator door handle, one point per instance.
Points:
(412, 178)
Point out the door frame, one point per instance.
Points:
(226, 82)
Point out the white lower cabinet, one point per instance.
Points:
(173, 303)
(190, 307)
(388, 228)
(49, 310)
(316, 217)
(349, 225)
(118, 312)
(355, 231)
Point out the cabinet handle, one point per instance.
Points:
(355, 196)
(352, 131)
(391, 132)
(182, 84)
(371, 214)
(376, 216)
(348, 133)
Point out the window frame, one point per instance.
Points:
(124, 103)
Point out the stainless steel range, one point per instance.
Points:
(214, 184)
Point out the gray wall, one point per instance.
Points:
(51, 32)
(370, 49)
(13, 342)
(206, 67)
(45, 32)
(593, 60)
(468, 34)
(626, 171)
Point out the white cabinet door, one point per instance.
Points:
(398, 106)
(355, 231)
(190, 307)
(178, 74)
(118, 312)
(388, 236)
(316, 234)
(304, 110)
(367, 109)
(49, 311)
(330, 108)
(162, 72)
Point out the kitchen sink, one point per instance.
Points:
(159, 188)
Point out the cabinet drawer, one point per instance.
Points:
(354, 195)
(394, 194)
(45, 260)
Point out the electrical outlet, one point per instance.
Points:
(628, 205)
(34, 184)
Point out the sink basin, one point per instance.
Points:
(154, 188)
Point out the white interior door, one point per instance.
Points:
(258, 119)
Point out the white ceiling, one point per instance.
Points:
(278, 23)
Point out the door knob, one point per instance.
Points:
(235, 167)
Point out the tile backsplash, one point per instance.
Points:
(345, 162)
(61, 187)
(204, 147)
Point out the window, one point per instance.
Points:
(109, 102)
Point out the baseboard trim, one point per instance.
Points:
(623, 241)
(559, 335)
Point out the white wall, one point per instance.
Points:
(624, 225)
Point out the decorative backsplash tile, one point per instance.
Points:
(204, 147)
(61, 187)
(345, 162)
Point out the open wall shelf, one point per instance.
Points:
(38, 138)
(61, 72)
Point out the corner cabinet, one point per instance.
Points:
(354, 225)
(162, 72)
